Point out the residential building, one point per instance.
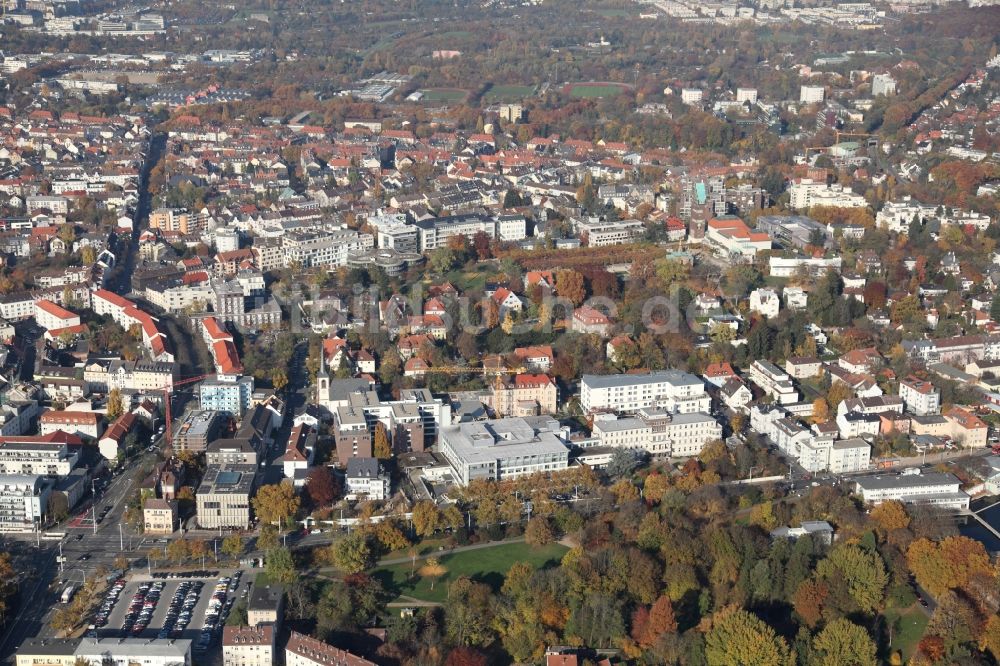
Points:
(266, 605)
(197, 430)
(676, 391)
(32, 456)
(765, 302)
(812, 94)
(773, 381)
(47, 652)
(920, 396)
(502, 448)
(299, 454)
(591, 321)
(159, 516)
(736, 395)
(785, 267)
(366, 478)
(883, 84)
(803, 367)
(84, 424)
(936, 489)
(112, 442)
(850, 455)
(50, 316)
(692, 95)
(23, 500)
(248, 646)
(967, 430)
(524, 395)
(806, 193)
(222, 395)
(223, 497)
(302, 650)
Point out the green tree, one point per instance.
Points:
(279, 566)
(426, 518)
(843, 643)
(741, 638)
(232, 546)
(352, 554)
(863, 572)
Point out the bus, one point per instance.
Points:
(68, 593)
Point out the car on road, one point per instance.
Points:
(79, 536)
(84, 557)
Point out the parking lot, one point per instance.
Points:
(179, 610)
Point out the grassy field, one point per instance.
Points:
(485, 565)
(908, 629)
(444, 94)
(508, 93)
(592, 90)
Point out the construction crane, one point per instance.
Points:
(167, 390)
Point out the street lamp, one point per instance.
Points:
(759, 468)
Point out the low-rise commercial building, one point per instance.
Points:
(937, 489)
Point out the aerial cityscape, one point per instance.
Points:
(495, 332)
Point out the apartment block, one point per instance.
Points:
(774, 381)
(920, 396)
(673, 390)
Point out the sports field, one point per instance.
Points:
(508, 93)
(444, 94)
(594, 90)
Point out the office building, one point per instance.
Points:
(502, 449)
(223, 497)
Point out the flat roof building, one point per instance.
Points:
(938, 489)
(503, 448)
(224, 496)
(198, 429)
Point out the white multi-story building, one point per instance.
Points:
(219, 395)
(850, 455)
(692, 95)
(36, 458)
(883, 84)
(52, 317)
(23, 499)
(806, 193)
(812, 94)
(746, 95)
(601, 233)
(326, 249)
(503, 448)
(935, 489)
(774, 381)
(434, 233)
(658, 432)
(920, 396)
(765, 302)
(366, 478)
(673, 390)
(897, 215)
(788, 266)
